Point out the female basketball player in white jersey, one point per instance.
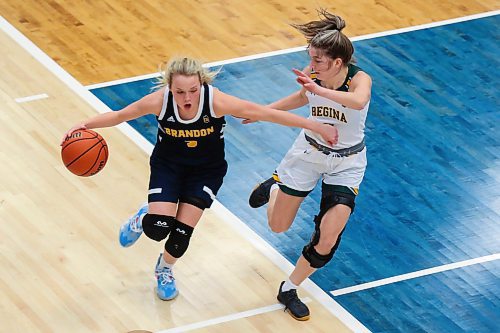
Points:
(188, 163)
(338, 93)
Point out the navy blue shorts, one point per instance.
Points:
(174, 182)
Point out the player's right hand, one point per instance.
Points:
(71, 130)
(329, 133)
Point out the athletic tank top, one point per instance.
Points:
(192, 142)
(349, 122)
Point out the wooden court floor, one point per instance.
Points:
(98, 41)
(62, 269)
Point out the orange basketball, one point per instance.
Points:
(84, 153)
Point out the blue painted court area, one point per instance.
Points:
(431, 194)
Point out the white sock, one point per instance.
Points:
(164, 264)
(273, 187)
(288, 285)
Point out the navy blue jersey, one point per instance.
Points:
(197, 141)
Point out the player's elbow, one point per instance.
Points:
(360, 103)
(358, 106)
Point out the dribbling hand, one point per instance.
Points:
(71, 130)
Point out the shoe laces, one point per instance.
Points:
(292, 297)
(296, 301)
(134, 224)
(165, 276)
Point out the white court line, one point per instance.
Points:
(270, 252)
(70, 81)
(210, 64)
(415, 274)
(122, 81)
(302, 48)
(31, 98)
(228, 216)
(225, 319)
(321, 296)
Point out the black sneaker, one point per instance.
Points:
(295, 307)
(260, 194)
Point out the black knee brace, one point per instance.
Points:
(157, 227)
(328, 200)
(178, 241)
(315, 259)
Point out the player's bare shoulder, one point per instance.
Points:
(360, 79)
(153, 102)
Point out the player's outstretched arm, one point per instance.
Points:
(290, 102)
(149, 104)
(225, 104)
(356, 98)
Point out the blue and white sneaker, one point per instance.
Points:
(166, 289)
(131, 230)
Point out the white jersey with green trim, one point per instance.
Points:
(350, 123)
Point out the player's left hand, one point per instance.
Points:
(305, 81)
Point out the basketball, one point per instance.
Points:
(84, 153)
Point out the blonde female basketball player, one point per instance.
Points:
(188, 162)
(338, 93)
